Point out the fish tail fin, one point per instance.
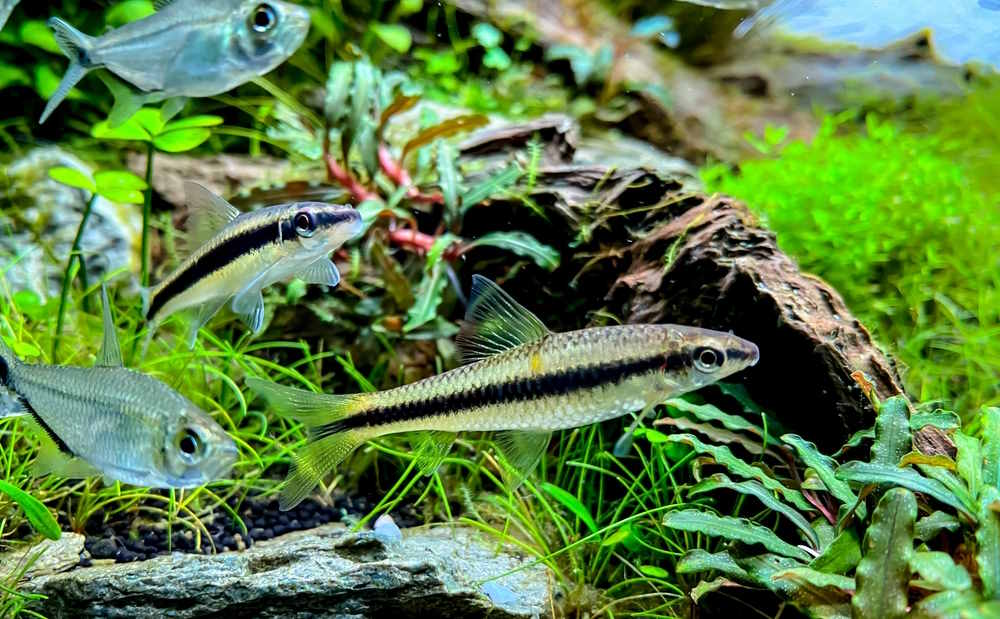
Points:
(328, 444)
(127, 101)
(76, 46)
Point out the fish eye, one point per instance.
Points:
(708, 359)
(305, 225)
(189, 443)
(263, 18)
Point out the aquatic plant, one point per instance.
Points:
(897, 223)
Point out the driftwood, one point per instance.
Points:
(639, 245)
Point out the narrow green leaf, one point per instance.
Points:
(939, 572)
(448, 178)
(762, 494)
(737, 529)
(884, 572)
(990, 420)
(988, 541)
(38, 515)
(520, 243)
(362, 98)
(815, 578)
(338, 88)
(181, 140)
(725, 457)
(396, 36)
(571, 503)
(72, 177)
(930, 525)
(841, 556)
(892, 432)
(856, 439)
(431, 288)
(969, 460)
(620, 534)
(653, 571)
(867, 473)
(491, 187)
(824, 467)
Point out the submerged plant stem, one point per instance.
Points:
(74, 255)
(147, 207)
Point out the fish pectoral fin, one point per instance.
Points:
(431, 448)
(323, 272)
(624, 443)
(127, 101)
(11, 405)
(110, 354)
(207, 214)
(495, 322)
(201, 317)
(313, 462)
(251, 310)
(172, 107)
(521, 451)
(52, 461)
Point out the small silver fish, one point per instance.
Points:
(6, 8)
(520, 379)
(237, 255)
(113, 421)
(188, 48)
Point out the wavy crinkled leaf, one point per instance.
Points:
(718, 435)
(338, 88)
(815, 578)
(940, 419)
(520, 243)
(821, 595)
(724, 457)
(868, 473)
(762, 494)
(988, 541)
(709, 412)
(915, 457)
(181, 140)
(969, 461)
(571, 503)
(949, 604)
(705, 587)
(72, 177)
(448, 178)
(856, 439)
(38, 515)
(824, 466)
(699, 560)
(883, 575)
(938, 572)
(990, 417)
(952, 482)
(763, 567)
(892, 432)
(445, 129)
(737, 529)
(842, 554)
(930, 525)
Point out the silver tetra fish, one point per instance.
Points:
(113, 421)
(188, 48)
(236, 255)
(519, 378)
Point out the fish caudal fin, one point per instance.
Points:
(76, 46)
(327, 447)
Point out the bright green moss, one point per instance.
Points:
(908, 230)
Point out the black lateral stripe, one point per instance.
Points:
(219, 256)
(61, 444)
(512, 391)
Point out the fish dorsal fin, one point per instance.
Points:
(495, 322)
(111, 353)
(208, 213)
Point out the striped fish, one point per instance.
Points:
(237, 255)
(518, 378)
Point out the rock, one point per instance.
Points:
(649, 249)
(221, 174)
(44, 220)
(46, 557)
(325, 572)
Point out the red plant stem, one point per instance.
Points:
(359, 192)
(815, 500)
(398, 174)
(421, 243)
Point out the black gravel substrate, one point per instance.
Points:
(123, 539)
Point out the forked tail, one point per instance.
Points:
(77, 47)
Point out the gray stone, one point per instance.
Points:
(325, 572)
(46, 557)
(43, 220)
